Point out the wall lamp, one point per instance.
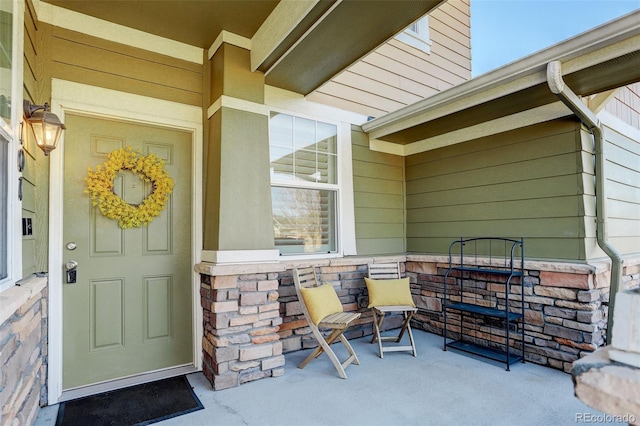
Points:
(46, 126)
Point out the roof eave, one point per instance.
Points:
(606, 42)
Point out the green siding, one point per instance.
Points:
(623, 191)
(523, 183)
(378, 184)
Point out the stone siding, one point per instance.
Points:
(565, 307)
(252, 315)
(23, 339)
(241, 316)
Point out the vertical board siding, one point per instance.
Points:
(523, 183)
(396, 74)
(97, 62)
(626, 105)
(378, 185)
(623, 191)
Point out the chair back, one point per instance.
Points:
(304, 278)
(385, 271)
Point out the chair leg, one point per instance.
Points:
(324, 346)
(406, 327)
(377, 323)
(408, 316)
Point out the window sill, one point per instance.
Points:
(14, 297)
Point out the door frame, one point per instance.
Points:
(81, 99)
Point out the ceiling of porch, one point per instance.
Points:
(320, 39)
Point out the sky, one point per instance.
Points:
(503, 31)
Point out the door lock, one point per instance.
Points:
(72, 273)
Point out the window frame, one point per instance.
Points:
(11, 131)
(337, 187)
(419, 39)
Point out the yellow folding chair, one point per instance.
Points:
(390, 293)
(323, 310)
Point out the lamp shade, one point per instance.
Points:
(46, 126)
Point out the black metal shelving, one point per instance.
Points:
(472, 262)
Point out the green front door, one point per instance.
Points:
(129, 311)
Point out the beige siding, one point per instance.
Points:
(396, 74)
(626, 105)
(378, 184)
(97, 62)
(523, 183)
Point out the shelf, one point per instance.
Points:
(492, 260)
(484, 310)
(487, 271)
(483, 351)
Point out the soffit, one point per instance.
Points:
(318, 50)
(605, 58)
(330, 37)
(194, 22)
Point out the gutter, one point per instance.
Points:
(589, 119)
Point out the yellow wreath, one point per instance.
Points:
(150, 168)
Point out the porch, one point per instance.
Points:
(436, 387)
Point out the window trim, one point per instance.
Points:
(345, 214)
(11, 132)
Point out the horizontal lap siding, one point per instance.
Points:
(623, 191)
(378, 184)
(526, 182)
(396, 74)
(626, 105)
(97, 62)
(34, 184)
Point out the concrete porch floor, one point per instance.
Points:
(434, 388)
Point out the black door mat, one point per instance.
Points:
(136, 405)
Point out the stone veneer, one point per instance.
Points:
(565, 306)
(252, 315)
(23, 343)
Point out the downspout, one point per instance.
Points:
(589, 119)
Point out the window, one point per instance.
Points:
(304, 184)
(417, 35)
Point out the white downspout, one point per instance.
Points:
(588, 118)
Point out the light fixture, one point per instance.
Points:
(46, 126)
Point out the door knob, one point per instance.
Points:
(71, 265)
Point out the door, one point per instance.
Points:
(129, 311)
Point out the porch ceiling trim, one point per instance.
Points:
(515, 95)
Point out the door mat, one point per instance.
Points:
(136, 405)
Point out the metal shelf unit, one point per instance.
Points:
(476, 265)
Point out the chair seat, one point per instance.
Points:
(395, 308)
(339, 320)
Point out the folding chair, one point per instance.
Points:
(323, 310)
(390, 293)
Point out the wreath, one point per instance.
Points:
(149, 168)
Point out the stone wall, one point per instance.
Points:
(241, 317)
(252, 315)
(565, 306)
(23, 339)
